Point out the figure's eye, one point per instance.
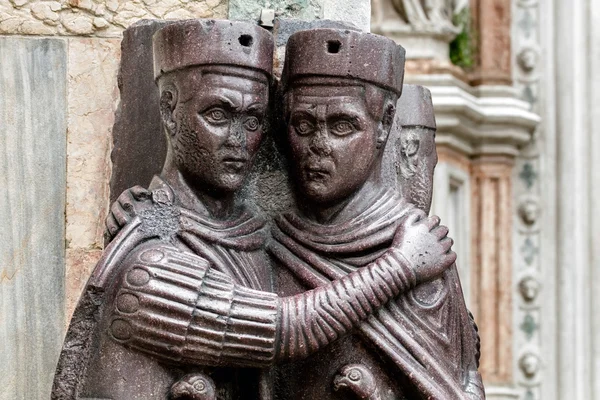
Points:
(216, 116)
(252, 123)
(342, 128)
(304, 127)
(410, 147)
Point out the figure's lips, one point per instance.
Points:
(236, 162)
(317, 173)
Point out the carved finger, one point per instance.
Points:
(447, 244)
(449, 258)
(119, 214)
(441, 231)
(432, 222)
(126, 200)
(140, 193)
(112, 227)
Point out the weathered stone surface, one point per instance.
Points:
(491, 21)
(79, 265)
(97, 17)
(491, 278)
(356, 12)
(92, 100)
(139, 145)
(249, 10)
(32, 167)
(285, 27)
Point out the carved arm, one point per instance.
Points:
(171, 305)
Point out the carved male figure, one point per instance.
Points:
(340, 93)
(416, 161)
(415, 148)
(180, 306)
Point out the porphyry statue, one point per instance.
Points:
(340, 93)
(181, 304)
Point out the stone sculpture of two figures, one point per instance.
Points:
(350, 294)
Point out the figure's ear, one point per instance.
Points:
(386, 124)
(168, 101)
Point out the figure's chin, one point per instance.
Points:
(231, 182)
(316, 192)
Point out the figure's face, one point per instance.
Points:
(333, 141)
(529, 364)
(219, 127)
(529, 288)
(529, 212)
(418, 158)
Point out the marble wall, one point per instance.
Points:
(33, 121)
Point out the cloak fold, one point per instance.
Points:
(427, 333)
(233, 247)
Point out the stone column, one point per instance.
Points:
(491, 264)
(570, 325)
(491, 31)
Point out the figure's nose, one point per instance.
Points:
(319, 143)
(236, 137)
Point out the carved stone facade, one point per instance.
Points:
(424, 28)
(565, 88)
(529, 292)
(482, 127)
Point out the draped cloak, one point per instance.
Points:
(234, 247)
(425, 338)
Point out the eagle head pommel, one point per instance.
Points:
(357, 379)
(194, 387)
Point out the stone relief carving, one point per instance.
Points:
(527, 59)
(529, 211)
(197, 296)
(529, 293)
(529, 287)
(417, 155)
(420, 14)
(529, 363)
(428, 16)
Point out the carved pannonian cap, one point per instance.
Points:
(415, 108)
(345, 54)
(198, 42)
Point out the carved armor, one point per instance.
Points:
(163, 308)
(172, 305)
